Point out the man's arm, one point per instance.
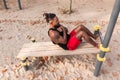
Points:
(64, 34)
(55, 37)
(65, 29)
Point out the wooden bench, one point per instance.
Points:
(41, 49)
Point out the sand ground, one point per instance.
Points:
(16, 25)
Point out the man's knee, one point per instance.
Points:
(81, 33)
(81, 27)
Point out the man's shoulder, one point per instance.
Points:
(53, 33)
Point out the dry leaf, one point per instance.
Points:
(94, 20)
(9, 37)
(16, 76)
(115, 74)
(1, 30)
(31, 76)
(52, 69)
(57, 60)
(59, 78)
(66, 72)
(115, 40)
(40, 64)
(45, 58)
(109, 63)
(104, 71)
(118, 55)
(75, 79)
(42, 38)
(32, 22)
(4, 70)
(103, 23)
(83, 66)
(0, 38)
(76, 65)
(118, 59)
(80, 78)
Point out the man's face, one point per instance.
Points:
(54, 21)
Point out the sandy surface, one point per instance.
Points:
(16, 25)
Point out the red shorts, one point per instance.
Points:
(73, 41)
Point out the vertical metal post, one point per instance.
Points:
(5, 5)
(19, 4)
(112, 22)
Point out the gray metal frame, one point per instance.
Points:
(5, 5)
(19, 4)
(111, 25)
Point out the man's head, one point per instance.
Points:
(51, 18)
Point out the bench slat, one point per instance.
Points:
(39, 49)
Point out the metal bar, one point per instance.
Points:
(5, 5)
(112, 22)
(24, 64)
(100, 36)
(19, 4)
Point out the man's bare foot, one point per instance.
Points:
(98, 46)
(96, 37)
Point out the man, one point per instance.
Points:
(59, 34)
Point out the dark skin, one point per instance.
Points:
(81, 32)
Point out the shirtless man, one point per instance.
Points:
(59, 34)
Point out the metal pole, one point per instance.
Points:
(19, 4)
(112, 22)
(5, 5)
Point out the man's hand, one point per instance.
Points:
(64, 29)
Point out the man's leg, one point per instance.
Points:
(87, 38)
(84, 29)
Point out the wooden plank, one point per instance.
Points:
(49, 44)
(49, 49)
(42, 47)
